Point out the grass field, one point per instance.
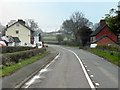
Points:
(49, 37)
(115, 58)
(10, 69)
(50, 41)
(72, 46)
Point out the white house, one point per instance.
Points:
(20, 30)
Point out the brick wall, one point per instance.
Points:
(105, 41)
(107, 32)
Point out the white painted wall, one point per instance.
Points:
(24, 33)
(36, 39)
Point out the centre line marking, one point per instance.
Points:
(84, 70)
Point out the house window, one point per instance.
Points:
(93, 38)
(17, 32)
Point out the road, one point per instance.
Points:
(66, 71)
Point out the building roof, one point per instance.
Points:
(7, 38)
(99, 29)
(22, 23)
(16, 39)
(10, 39)
(102, 38)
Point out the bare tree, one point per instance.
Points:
(2, 29)
(79, 21)
(76, 21)
(68, 28)
(11, 22)
(37, 32)
(31, 24)
(59, 38)
(95, 26)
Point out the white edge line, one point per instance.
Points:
(84, 70)
(41, 69)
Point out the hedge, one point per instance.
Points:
(8, 49)
(110, 48)
(11, 58)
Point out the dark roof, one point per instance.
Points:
(102, 38)
(16, 39)
(21, 24)
(99, 29)
(8, 39)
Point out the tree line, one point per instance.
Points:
(77, 28)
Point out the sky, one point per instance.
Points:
(50, 14)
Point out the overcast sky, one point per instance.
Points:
(51, 13)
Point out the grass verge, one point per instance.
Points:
(72, 46)
(10, 69)
(115, 58)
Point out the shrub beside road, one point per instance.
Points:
(9, 49)
(11, 58)
(10, 69)
(14, 61)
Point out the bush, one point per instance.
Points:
(70, 43)
(10, 58)
(110, 48)
(7, 49)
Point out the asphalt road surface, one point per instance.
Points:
(75, 68)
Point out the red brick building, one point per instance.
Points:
(103, 36)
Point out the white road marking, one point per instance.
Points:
(31, 81)
(97, 84)
(43, 70)
(84, 70)
(88, 70)
(85, 66)
(91, 76)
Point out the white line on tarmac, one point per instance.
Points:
(92, 76)
(84, 70)
(88, 70)
(31, 81)
(97, 84)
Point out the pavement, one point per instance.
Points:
(25, 73)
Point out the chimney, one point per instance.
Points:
(102, 22)
(21, 21)
(6, 26)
